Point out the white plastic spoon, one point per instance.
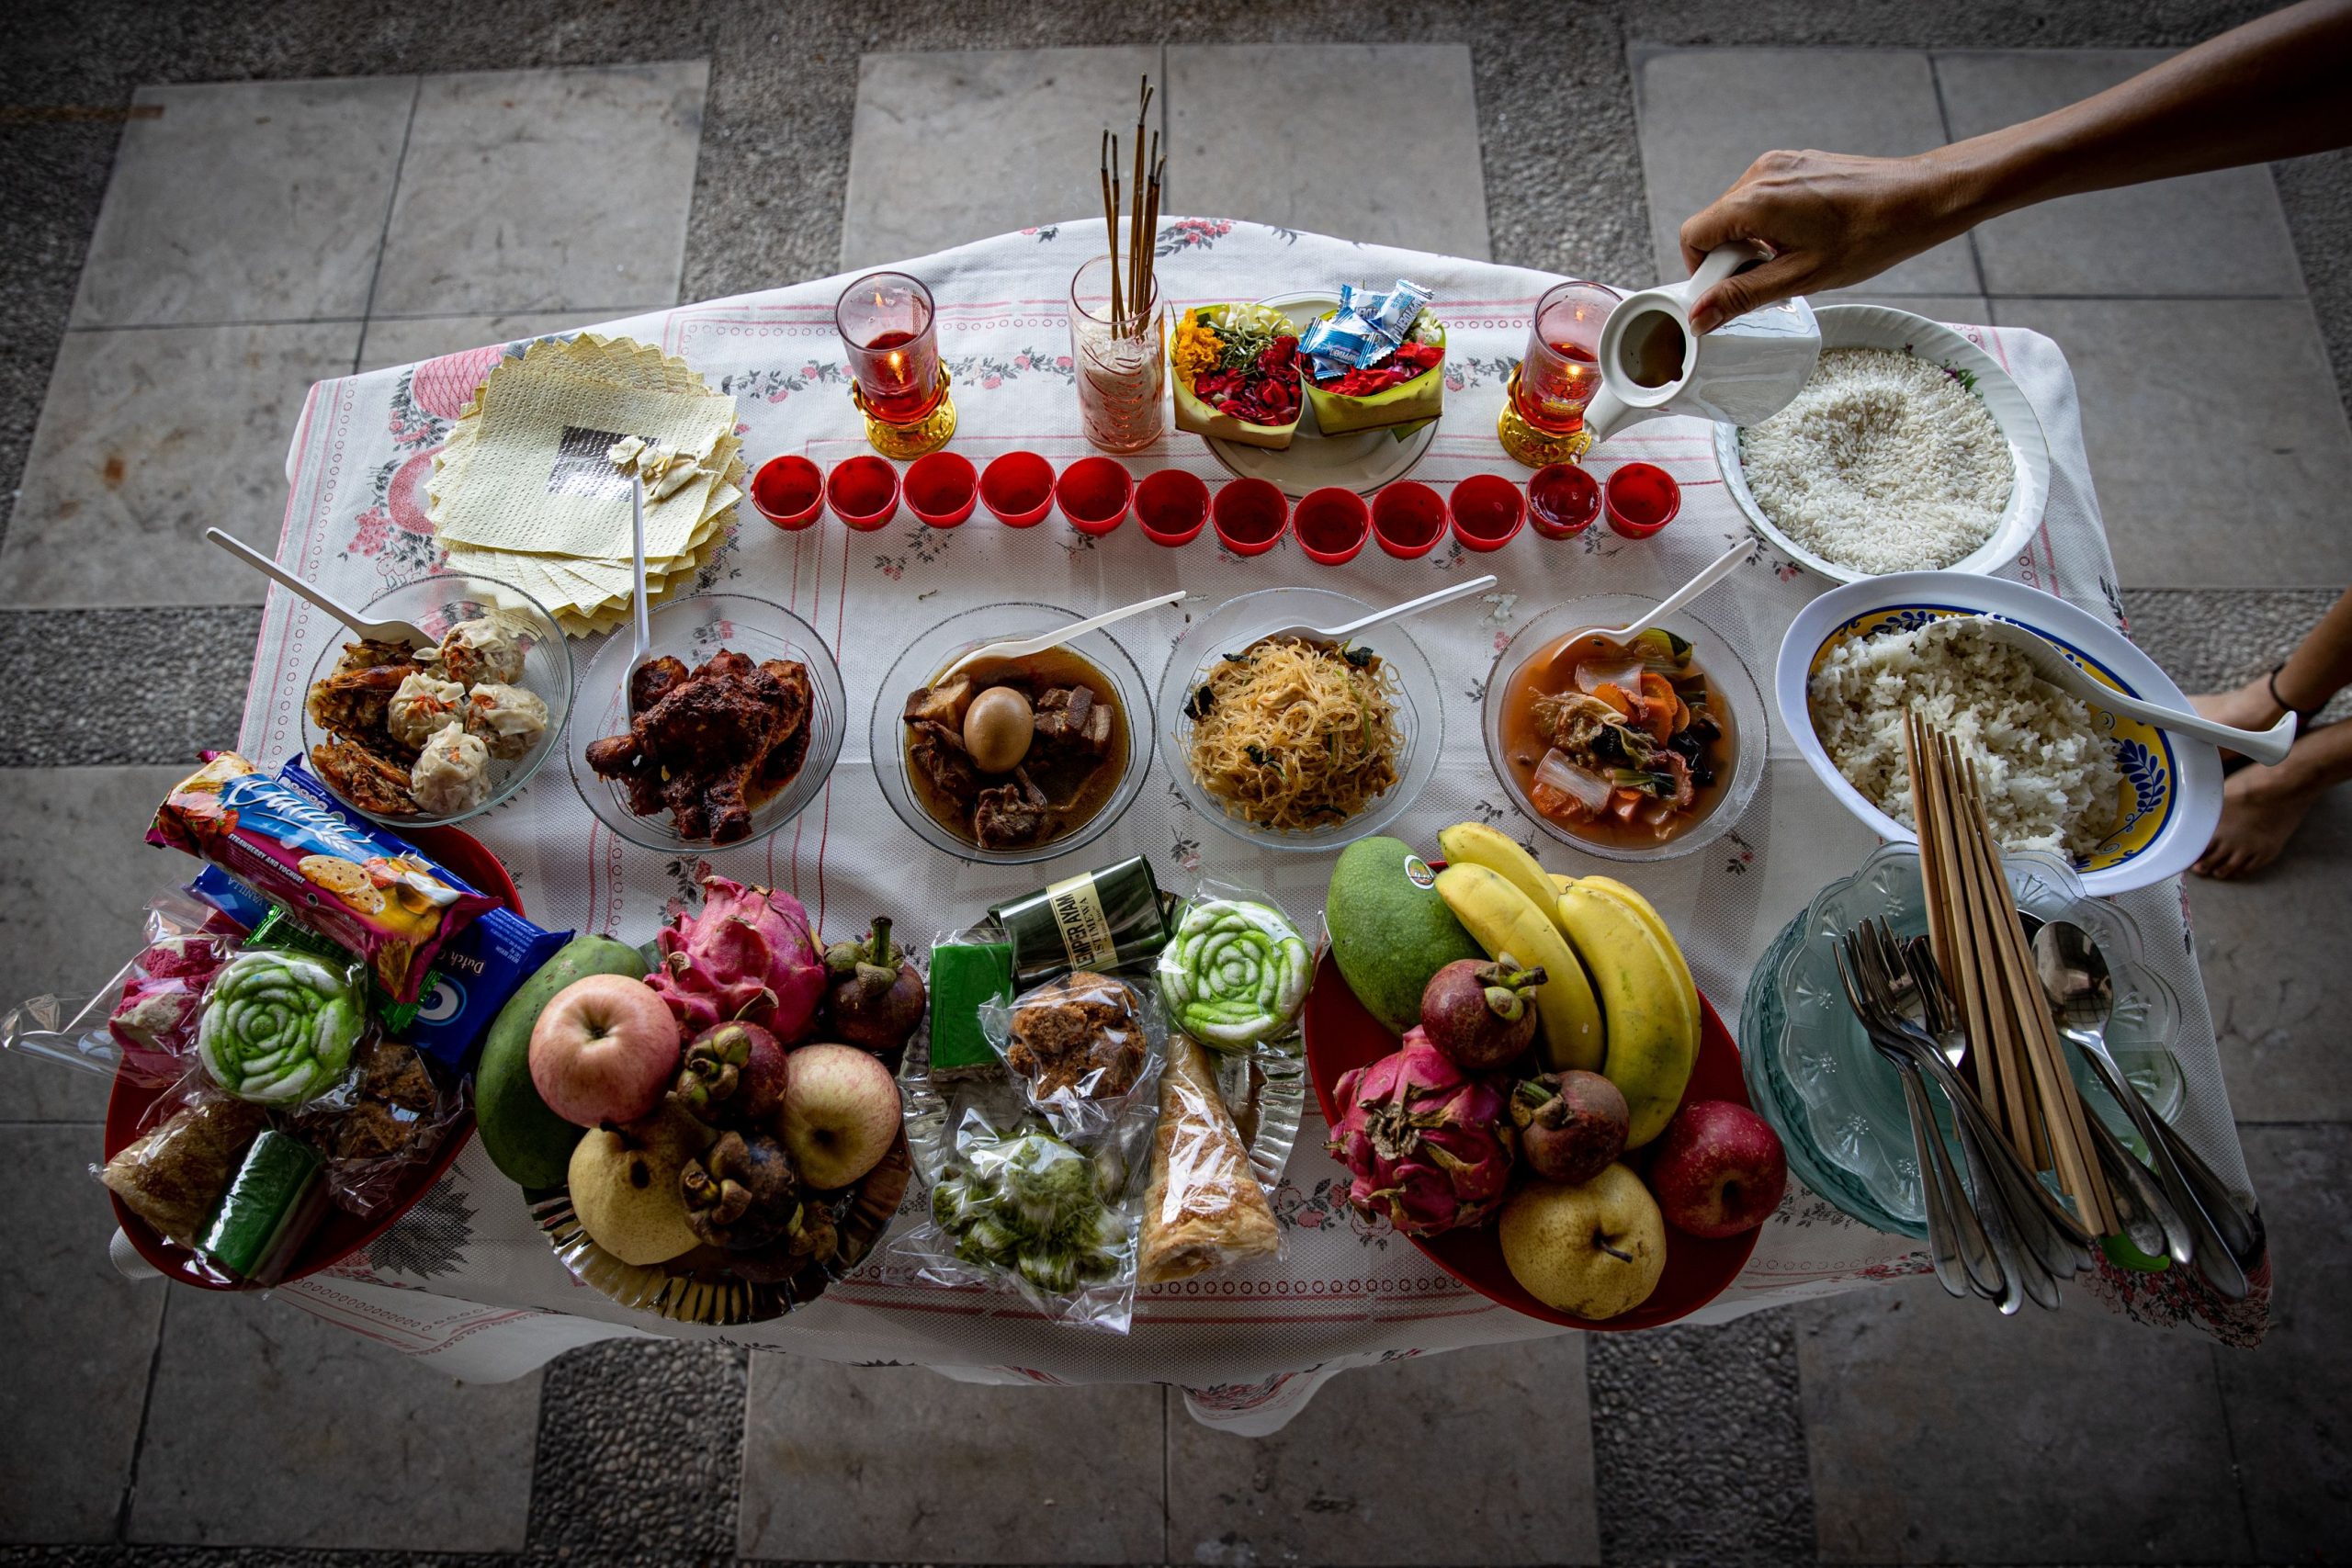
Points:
(1713, 573)
(1021, 647)
(2266, 746)
(636, 573)
(1393, 613)
(371, 631)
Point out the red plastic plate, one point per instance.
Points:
(1341, 1034)
(340, 1235)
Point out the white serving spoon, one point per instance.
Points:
(638, 607)
(1393, 613)
(372, 631)
(1021, 647)
(2266, 746)
(1713, 572)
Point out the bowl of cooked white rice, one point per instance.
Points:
(1909, 449)
(2125, 803)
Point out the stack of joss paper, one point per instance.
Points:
(533, 488)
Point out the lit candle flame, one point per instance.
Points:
(898, 363)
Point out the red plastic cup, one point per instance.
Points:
(788, 491)
(1563, 500)
(1331, 525)
(1641, 497)
(1250, 516)
(1409, 519)
(1172, 506)
(1487, 510)
(941, 487)
(1019, 487)
(863, 493)
(1093, 493)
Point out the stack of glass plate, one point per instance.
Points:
(1839, 1105)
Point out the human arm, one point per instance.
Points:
(2273, 89)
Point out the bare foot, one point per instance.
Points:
(2261, 809)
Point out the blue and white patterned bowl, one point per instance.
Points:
(2172, 785)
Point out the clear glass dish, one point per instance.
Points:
(933, 650)
(435, 605)
(1238, 623)
(1839, 1104)
(1726, 673)
(692, 630)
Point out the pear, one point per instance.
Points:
(625, 1187)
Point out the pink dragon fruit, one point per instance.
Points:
(1429, 1144)
(750, 956)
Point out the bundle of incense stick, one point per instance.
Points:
(1131, 282)
(1980, 945)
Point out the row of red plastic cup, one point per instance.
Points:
(1485, 512)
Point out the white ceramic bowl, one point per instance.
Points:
(1876, 326)
(2174, 783)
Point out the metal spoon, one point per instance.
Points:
(2074, 979)
(2266, 746)
(1713, 573)
(1393, 613)
(371, 631)
(1021, 648)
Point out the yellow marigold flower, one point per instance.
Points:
(1198, 348)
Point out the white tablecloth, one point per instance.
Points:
(467, 1282)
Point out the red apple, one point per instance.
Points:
(1718, 1170)
(604, 1050)
(841, 1113)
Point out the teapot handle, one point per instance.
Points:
(1720, 264)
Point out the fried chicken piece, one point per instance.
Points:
(371, 783)
(713, 745)
(654, 679)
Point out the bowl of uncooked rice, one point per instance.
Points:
(1908, 449)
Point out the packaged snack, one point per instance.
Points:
(288, 841)
(1098, 919)
(1081, 1047)
(228, 897)
(472, 977)
(966, 975)
(142, 1021)
(272, 1205)
(398, 1115)
(278, 1027)
(1203, 1209)
(1235, 972)
(173, 1175)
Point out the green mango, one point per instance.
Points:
(530, 1142)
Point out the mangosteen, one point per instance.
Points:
(874, 997)
(1482, 1014)
(742, 1193)
(1571, 1125)
(731, 1075)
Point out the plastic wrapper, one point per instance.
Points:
(1082, 1049)
(174, 1174)
(280, 1027)
(1236, 970)
(1204, 1207)
(398, 1111)
(142, 1021)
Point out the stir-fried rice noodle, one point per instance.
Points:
(1294, 735)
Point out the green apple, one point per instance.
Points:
(1594, 1250)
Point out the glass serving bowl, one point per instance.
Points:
(1839, 1104)
(436, 603)
(692, 630)
(1234, 625)
(1726, 673)
(933, 650)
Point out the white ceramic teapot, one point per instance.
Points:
(1744, 372)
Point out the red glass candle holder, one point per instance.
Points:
(888, 330)
(863, 493)
(1641, 497)
(1563, 500)
(1093, 493)
(1409, 519)
(788, 491)
(1543, 417)
(1487, 511)
(1019, 488)
(1250, 516)
(1331, 524)
(941, 487)
(1172, 506)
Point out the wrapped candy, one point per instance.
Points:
(1235, 973)
(1366, 329)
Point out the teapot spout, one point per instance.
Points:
(1607, 413)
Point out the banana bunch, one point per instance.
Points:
(1628, 1009)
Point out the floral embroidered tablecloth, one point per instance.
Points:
(467, 1282)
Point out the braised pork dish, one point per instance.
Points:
(1009, 754)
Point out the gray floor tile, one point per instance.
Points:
(2272, 948)
(1706, 114)
(1967, 308)
(640, 1452)
(247, 202)
(80, 1339)
(269, 1428)
(402, 340)
(1942, 1432)
(149, 436)
(546, 190)
(77, 876)
(82, 688)
(948, 148)
(2217, 233)
(2286, 1400)
(1351, 1478)
(896, 1463)
(2217, 444)
(1409, 175)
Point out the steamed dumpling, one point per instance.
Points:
(452, 773)
(481, 650)
(507, 719)
(423, 707)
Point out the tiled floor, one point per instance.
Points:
(260, 234)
